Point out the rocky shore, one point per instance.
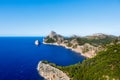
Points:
(51, 73)
(87, 46)
(79, 49)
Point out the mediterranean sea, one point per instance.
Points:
(19, 57)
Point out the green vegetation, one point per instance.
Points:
(104, 66)
(101, 40)
(69, 45)
(46, 62)
(50, 40)
(95, 42)
(86, 49)
(74, 46)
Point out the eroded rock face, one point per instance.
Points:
(54, 36)
(51, 73)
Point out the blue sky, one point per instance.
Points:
(66, 17)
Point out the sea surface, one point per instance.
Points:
(19, 57)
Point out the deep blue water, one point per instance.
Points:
(19, 57)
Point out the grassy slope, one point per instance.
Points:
(106, 65)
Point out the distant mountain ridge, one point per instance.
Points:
(100, 36)
(54, 35)
(88, 46)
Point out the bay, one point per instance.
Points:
(19, 57)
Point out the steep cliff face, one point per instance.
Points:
(53, 37)
(51, 73)
(52, 34)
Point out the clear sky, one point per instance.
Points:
(66, 17)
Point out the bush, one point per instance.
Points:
(50, 40)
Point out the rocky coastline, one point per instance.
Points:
(51, 73)
(78, 50)
(87, 46)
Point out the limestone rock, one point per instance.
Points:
(51, 73)
(56, 38)
(37, 42)
(52, 34)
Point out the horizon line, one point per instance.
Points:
(48, 34)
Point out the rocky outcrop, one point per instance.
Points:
(89, 50)
(51, 73)
(52, 34)
(37, 42)
(54, 37)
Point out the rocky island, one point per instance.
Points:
(87, 46)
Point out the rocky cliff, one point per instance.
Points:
(51, 73)
(88, 46)
(54, 37)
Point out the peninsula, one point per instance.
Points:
(104, 66)
(51, 73)
(87, 46)
(102, 50)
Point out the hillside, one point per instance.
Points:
(87, 46)
(53, 37)
(95, 39)
(104, 66)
